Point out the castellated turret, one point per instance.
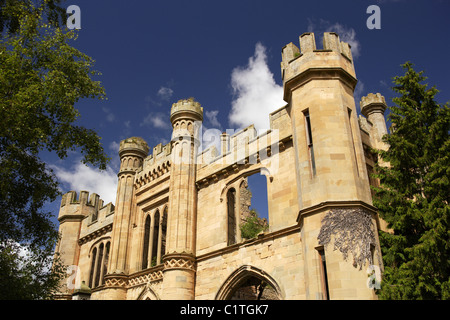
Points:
(186, 109)
(186, 116)
(81, 219)
(373, 107)
(132, 152)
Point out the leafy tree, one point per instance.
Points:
(253, 225)
(41, 79)
(10, 11)
(414, 194)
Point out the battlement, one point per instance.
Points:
(70, 198)
(133, 144)
(188, 108)
(373, 102)
(308, 61)
(83, 206)
(331, 42)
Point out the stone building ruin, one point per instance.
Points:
(173, 232)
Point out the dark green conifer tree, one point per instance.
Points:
(414, 194)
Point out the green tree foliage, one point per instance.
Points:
(41, 79)
(253, 225)
(11, 10)
(414, 194)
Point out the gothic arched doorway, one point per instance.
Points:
(249, 283)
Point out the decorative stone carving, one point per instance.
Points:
(179, 261)
(115, 281)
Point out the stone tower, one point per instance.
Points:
(132, 151)
(329, 157)
(179, 262)
(319, 85)
(373, 107)
(71, 215)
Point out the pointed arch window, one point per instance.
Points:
(155, 257)
(98, 265)
(163, 232)
(154, 244)
(146, 242)
(105, 262)
(91, 273)
(231, 211)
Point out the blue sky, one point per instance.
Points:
(225, 54)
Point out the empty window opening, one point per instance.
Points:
(146, 242)
(231, 218)
(154, 259)
(163, 232)
(98, 266)
(372, 253)
(154, 244)
(105, 262)
(91, 274)
(254, 213)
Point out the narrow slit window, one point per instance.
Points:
(105, 262)
(231, 205)
(323, 271)
(353, 141)
(146, 243)
(91, 274)
(309, 142)
(372, 253)
(154, 258)
(99, 266)
(163, 232)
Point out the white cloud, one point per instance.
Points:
(165, 93)
(114, 146)
(256, 92)
(212, 117)
(81, 177)
(346, 34)
(157, 120)
(109, 115)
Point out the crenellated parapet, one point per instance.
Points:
(186, 109)
(372, 103)
(73, 207)
(78, 208)
(300, 65)
(132, 151)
